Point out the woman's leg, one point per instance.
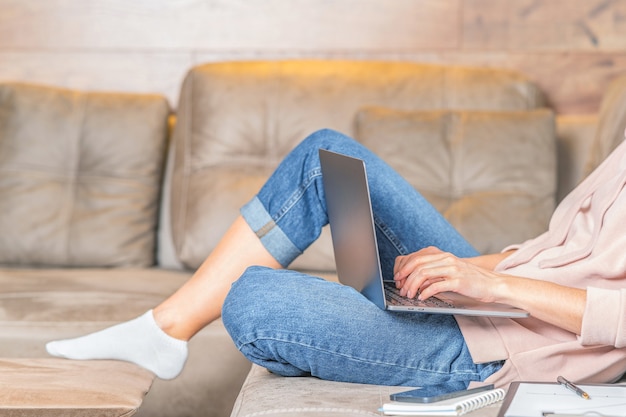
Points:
(199, 301)
(294, 197)
(297, 325)
(289, 219)
(157, 340)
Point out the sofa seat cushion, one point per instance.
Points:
(80, 176)
(237, 120)
(492, 174)
(39, 305)
(269, 395)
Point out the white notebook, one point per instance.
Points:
(453, 407)
(532, 399)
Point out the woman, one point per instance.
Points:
(572, 280)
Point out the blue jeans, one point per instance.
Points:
(295, 325)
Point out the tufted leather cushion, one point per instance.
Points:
(236, 121)
(492, 174)
(80, 176)
(611, 124)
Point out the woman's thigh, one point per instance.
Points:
(295, 325)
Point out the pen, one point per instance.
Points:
(569, 385)
(594, 413)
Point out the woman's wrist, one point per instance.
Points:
(503, 289)
(490, 261)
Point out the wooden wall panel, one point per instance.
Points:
(571, 48)
(311, 25)
(547, 25)
(574, 83)
(124, 72)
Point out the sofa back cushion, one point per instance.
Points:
(611, 124)
(491, 174)
(80, 176)
(236, 121)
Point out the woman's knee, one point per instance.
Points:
(244, 291)
(327, 139)
(251, 299)
(325, 136)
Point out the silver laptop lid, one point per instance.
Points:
(356, 249)
(352, 225)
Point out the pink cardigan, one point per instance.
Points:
(585, 247)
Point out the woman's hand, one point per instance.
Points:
(431, 271)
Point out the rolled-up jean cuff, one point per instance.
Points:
(272, 237)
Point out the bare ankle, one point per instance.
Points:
(169, 321)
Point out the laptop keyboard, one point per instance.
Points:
(394, 298)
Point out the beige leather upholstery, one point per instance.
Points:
(42, 304)
(575, 137)
(611, 123)
(80, 184)
(79, 176)
(492, 174)
(310, 397)
(236, 121)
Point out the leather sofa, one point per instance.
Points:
(108, 202)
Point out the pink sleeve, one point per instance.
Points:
(604, 320)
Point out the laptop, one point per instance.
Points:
(356, 250)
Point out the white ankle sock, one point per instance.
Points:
(140, 341)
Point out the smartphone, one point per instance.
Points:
(436, 393)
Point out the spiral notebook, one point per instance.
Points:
(452, 407)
